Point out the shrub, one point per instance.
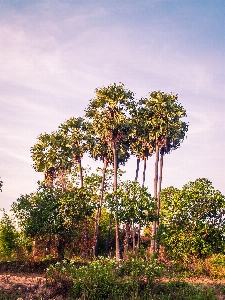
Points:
(213, 266)
(106, 279)
(8, 238)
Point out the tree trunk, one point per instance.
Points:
(61, 248)
(159, 187)
(118, 250)
(99, 211)
(85, 213)
(137, 169)
(127, 239)
(133, 238)
(144, 171)
(155, 196)
(108, 237)
(80, 173)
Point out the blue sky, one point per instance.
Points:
(53, 54)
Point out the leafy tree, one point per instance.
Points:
(135, 207)
(192, 220)
(49, 212)
(99, 149)
(108, 114)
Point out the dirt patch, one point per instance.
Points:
(30, 287)
(27, 281)
(28, 267)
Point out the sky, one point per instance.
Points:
(54, 54)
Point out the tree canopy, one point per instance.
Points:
(192, 220)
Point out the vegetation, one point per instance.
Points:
(76, 215)
(192, 221)
(8, 238)
(130, 279)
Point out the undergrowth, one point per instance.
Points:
(127, 280)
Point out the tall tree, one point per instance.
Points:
(163, 114)
(108, 113)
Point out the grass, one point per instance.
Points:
(158, 291)
(128, 280)
(181, 290)
(105, 279)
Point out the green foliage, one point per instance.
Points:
(181, 290)
(213, 266)
(56, 153)
(108, 115)
(163, 117)
(128, 280)
(106, 218)
(192, 220)
(115, 127)
(74, 133)
(49, 211)
(135, 204)
(157, 120)
(106, 278)
(8, 238)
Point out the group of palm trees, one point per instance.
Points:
(114, 127)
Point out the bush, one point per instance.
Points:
(8, 238)
(213, 266)
(192, 221)
(181, 290)
(106, 279)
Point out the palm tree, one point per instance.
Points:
(173, 141)
(167, 132)
(56, 153)
(74, 132)
(49, 157)
(108, 113)
(141, 145)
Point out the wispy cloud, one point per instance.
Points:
(55, 53)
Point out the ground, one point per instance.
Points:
(27, 281)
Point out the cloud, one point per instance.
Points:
(55, 53)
